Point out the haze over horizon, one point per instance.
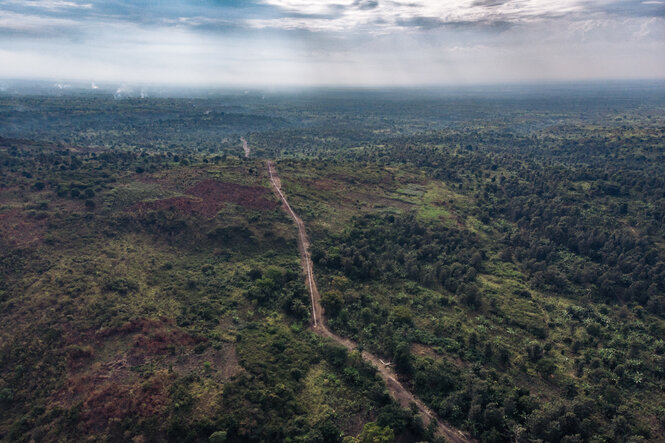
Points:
(346, 42)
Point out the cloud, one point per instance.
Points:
(48, 4)
(331, 42)
(385, 16)
(366, 4)
(489, 3)
(32, 24)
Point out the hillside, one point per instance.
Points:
(505, 256)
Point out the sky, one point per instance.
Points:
(340, 42)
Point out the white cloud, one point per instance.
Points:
(349, 42)
(386, 15)
(32, 22)
(48, 4)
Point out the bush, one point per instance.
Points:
(6, 396)
(546, 367)
(373, 433)
(121, 286)
(217, 437)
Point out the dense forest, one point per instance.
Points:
(504, 250)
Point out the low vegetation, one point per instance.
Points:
(508, 260)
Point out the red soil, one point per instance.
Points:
(250, 196)
(137, 325)
(208, 198)
(152, 337)
(161, 342)
(107, 400)
(105, 380)
(19, 230)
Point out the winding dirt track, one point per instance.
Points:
(403, 396)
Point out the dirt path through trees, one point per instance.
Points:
(403, 396)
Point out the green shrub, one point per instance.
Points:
(217, 437)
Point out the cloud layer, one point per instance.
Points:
(341, 42)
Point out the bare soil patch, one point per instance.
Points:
(253, 197)
(127, 371)
(109, 401)
(206, 198)
(19, 230)
(423, 351)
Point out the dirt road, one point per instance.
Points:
(245, 147)
(403, 396)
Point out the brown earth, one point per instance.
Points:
(423, 351)
(253, 197)
(104, 371)
(318, 324)
(107, 400)
(17, 229)
(152, 337)
(206, 198)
